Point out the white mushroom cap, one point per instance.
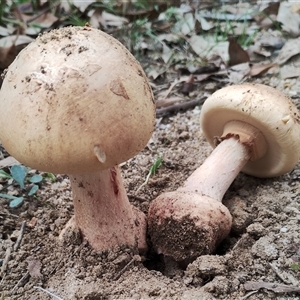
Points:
(75, 100)
(265, 108)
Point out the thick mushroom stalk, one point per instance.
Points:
(103, 212)
(76, 102)
(192, 220)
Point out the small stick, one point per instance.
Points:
(172, 86)
(237, 244)
(249, 294)
(19, 239)
(6, 260)
(49, 293)
(160, 112)
(134, 258)
(275, 269)
(14, 248)
(26, 276)
(2, 279)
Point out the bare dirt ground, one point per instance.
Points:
(262, 247)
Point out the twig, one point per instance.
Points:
(49, 293)
(10, 249)
(172, 86)
(2, 279)
(275, 269)
(237, 244)
(19, 239)
(161, 112)
(140, 199)
(249, 294)
(134, 258)
(25, 277)
(6, 260)
(59, 264)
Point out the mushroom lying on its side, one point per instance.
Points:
(76, 102)
(256, 130)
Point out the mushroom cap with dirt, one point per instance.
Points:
(75, 101)
(71, 94)
(254, 128)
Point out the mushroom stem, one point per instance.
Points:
(103, 212)
(196, 208)
(215, 175)
(240, 143)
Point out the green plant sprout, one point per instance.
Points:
(295, 267)
(19, 174)
(151, 172)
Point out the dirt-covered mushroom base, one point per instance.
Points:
(261, 254)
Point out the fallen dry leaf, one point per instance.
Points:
(208, 47)
(289, 18)
(45, 20)
(290, 49)
(80, 4)
(205, 25)
(151, 13)
(111, 20)
(15, 40)
(188, 86)
(185, 25)
(8, 161)
(167, 53)
(237, 55)
(289, 71)
(256, 52)
(7, 30)
(267, 17)
(260, 69)
(7, 56)
(237, 73)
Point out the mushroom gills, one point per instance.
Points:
(247, 135)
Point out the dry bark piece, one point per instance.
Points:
(256, 129)
(271, 286)
(77, 102)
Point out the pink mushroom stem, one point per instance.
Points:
(192, 220)
(103, 212)
(216, 174)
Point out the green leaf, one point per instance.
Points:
(19, 173)
(36, 178)
(151, 172)
(155, 166)
(16, 202)
(6, 196)
(50, 176)
(295, 267)
(33, 190)
(5, 175)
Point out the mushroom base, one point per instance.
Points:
(185, 225)
(103, 213)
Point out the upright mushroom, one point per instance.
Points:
(76, 102)
(256, 129)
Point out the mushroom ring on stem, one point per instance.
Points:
(76, 102)
(255, 129)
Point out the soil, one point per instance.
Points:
(263, 246)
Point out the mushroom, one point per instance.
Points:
(255, 128)
(76, 102)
